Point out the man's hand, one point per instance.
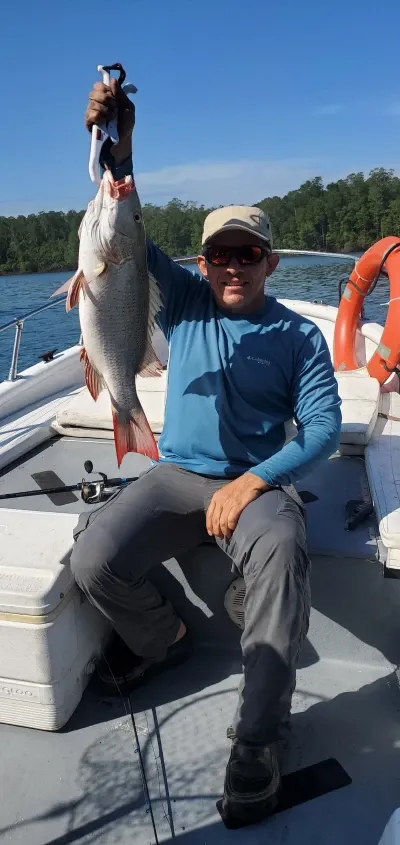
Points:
(228, 503)
(106, 103)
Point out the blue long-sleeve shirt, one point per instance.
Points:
(234, 380)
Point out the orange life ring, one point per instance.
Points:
(385, 253)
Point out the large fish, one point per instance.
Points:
(118, 302)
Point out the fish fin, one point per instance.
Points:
(63, 289)
(133, 435)
(94, 381)
(74, 290)
(150, 364)
(100, 269)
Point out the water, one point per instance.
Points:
(297, 277)
(53, 329)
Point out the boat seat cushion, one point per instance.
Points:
(83, 413)
(360, 403)
(382, 461)
(359, 394)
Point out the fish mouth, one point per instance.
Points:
(120, 189)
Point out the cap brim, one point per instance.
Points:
(241, 229)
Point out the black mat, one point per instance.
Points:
(297, 788)
(47, 479)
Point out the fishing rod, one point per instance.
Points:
(91, 491)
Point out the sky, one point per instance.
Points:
(236, 100)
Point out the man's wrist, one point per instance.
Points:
(120, 167)
(258, 482)
(122, 151)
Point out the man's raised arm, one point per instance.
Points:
(176, 284)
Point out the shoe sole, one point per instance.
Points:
(234, 814)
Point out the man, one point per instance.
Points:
(240, 366)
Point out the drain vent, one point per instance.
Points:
(233, 602)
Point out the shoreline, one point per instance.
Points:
(184, 259)
(35, 272)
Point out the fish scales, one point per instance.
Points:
(118, 302)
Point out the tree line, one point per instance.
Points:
(342, 216)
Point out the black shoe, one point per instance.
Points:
(121, 671)
(285, 729)
(252, 784)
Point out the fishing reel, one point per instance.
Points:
(93, 492)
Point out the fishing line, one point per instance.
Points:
(164, 771)
(144, 779)
(167, 815)
(138, 749)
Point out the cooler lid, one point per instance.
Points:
(35, 574)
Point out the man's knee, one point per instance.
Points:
(282, 545)
(97, 559)
(88, 559)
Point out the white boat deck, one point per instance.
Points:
(83, 783)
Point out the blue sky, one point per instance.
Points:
(236, 100)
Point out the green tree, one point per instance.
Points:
(346, 215)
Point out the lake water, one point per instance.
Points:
(298, 277)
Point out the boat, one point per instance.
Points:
(77, 767)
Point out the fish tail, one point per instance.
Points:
(133, 434)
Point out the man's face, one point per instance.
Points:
(236, 287)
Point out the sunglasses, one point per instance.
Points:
(220, 256)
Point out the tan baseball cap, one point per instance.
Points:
(247, 218)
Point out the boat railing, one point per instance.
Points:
(18, 322)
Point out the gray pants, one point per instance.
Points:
(162, 515)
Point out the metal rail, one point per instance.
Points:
(18, 322)
(191, 259)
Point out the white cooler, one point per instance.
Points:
(49, 633)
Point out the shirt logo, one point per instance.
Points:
(259, 360)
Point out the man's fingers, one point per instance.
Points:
(233, 518)
(229, 520)
(103, 96)
(216, 521)
(212, 517)
(209, 517)
(100, 112)
(108, 109)
(100, 86)
(96, 116)
(107, 103)
(223, 521)
(97, 109)
(102, 105)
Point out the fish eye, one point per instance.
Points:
(137, 217)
